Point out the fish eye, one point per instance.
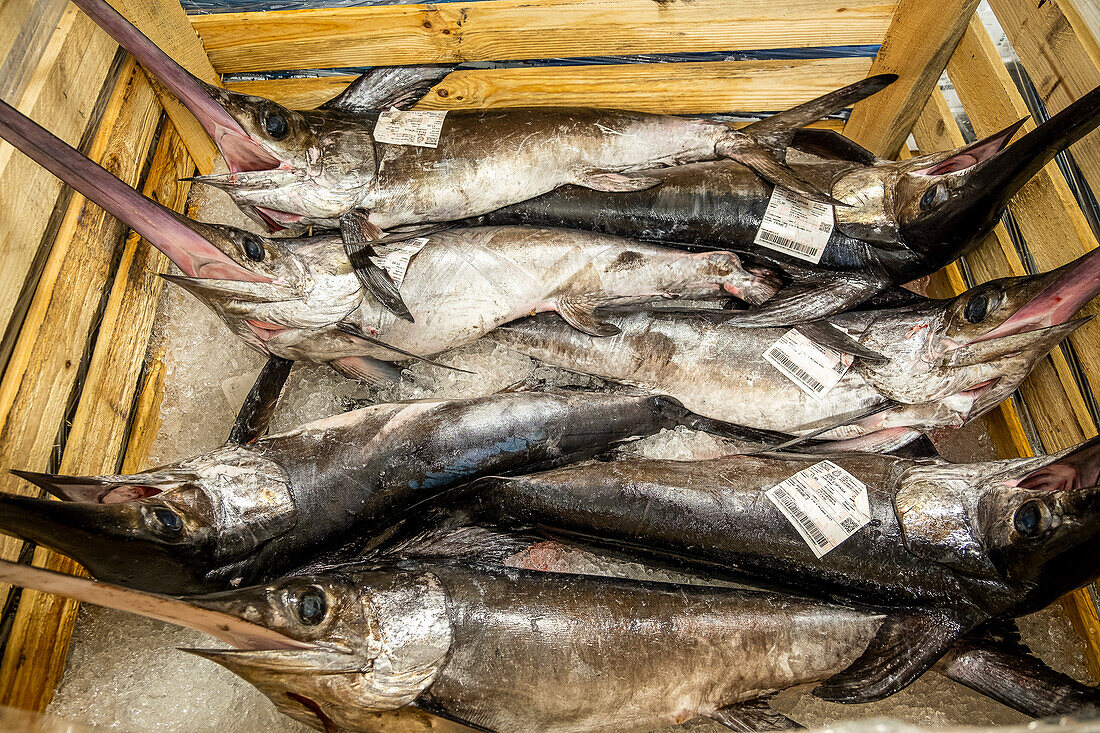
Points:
(168, 519)
(1031, 518)
(933, 197)
(276, 125)
(254, 248)
(977, 308)
(311, 606)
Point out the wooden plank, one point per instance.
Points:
(165, 23)
(36, 388)
(496, 30)
(25, 31)
(1060, 63)
(1052, 224)
(38, 645)
(1084, 16)
(60, 95)
(921, 39)
(685, 88)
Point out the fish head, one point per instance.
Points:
(188, 527)
(941, 204)
(982, 344)
(1029, 524)
(324, 162)
(382, 637)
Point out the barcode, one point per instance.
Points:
(799, 373)
(781, 241)
(816, 535)
(849, 525)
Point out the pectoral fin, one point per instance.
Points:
(358, 233)
(374, 372)
(355, 332)
(616, 182)
(826, 334)
(803, 302)
(752, 716)
(580, 314)
(906, 646)
(255, 414)
(1011, 675)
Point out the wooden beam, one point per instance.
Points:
(921, 39)
(62, 102)
(686, 88)
(165, 23)
(1084, 16)
(1049, 218)
(36, 388)
(1060, 63)
(34, 660)
(496, 30)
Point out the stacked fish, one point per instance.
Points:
(369, 568)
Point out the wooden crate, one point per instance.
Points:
(80, 386)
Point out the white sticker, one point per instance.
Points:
(395, 258)
(814, 368)
(795, 225)
(825, 503)
(409, 127)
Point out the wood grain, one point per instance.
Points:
(25, 31)
(37, 648)
(36, 387)
(165, 23)
(684, 88)
(60, 95)
(921, 38)
(1060, 63)
(499, 30)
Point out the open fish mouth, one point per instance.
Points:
(972, 154)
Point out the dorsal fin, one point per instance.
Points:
(384, 87)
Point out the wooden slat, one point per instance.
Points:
(25, 31)
(36, 388)
(38, 645)
(60, 95)
(921, 38)
(1060, 63)
(165, 23)
(686, 88)
(498, 30)
(1084, 16)
(1048, 216)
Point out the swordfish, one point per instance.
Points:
(507, 650)
(289, 168)
(947, 548)
(946, 361)
(300, 299)
(243, 514)
(900, 220)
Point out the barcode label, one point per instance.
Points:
(410, 127)
(824, 503)
(395, 258)
(816, 369)
(795, 225)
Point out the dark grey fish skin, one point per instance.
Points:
(514, 651)
(948, 548)
(245, 513)
(901, 220)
